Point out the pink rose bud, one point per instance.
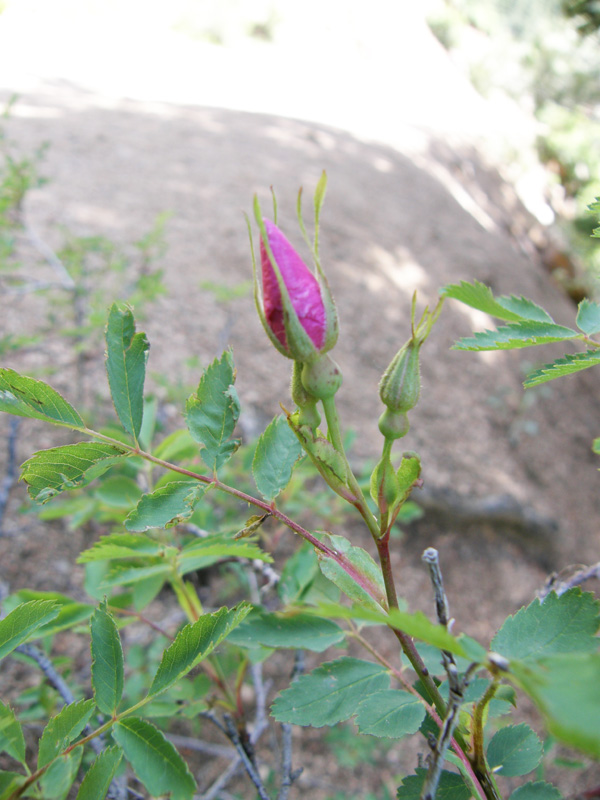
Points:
(297, 310)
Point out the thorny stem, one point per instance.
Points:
(404, 639)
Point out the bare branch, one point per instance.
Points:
(568, 578)
(11, 468)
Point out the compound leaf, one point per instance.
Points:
(213, 411)
(390, 713)
(56, 782)
(26, 397)
(511, 309)
(50, 472)
(561, 624)
(202, 553)
(122, 545)
(514, 750)
(331, 693)
(23, 621)
(165, 507)
(126, 357)
(98, 778)
(107, 661)
(194, 643)
(567, 365)
(62, 729)
(155, 761)
(276, 453)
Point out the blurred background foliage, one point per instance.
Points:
(545, 54)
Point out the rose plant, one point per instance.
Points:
(161, 497)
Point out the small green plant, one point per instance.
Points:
(201, 666)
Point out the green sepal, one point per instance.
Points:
(330, 464)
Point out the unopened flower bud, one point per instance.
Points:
(297, 310)
(400, 385)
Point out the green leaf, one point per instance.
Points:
(27, 397)
(170, 505)
(118, 491)
(213, 411)
(517, 335)
(123, 576)
(298, 574)
(9, 781)
(511, 309)
(390, 713)
(155, 761)
(561, 624)
(330, 693)
(536, 791)
(11, 735)
(23, 621)
(50, 472)
(588, 317)
(56, 782)
(414, 624)
(126, 357)
(276, 453)
(124, 545)
(450, 787)
(362, 563)
(194, 643)
(302, 631)
(567, 365)
(64, 728)
(204, 552)
(514, 750)
(98, 778)
(107, 661)
(567, 691)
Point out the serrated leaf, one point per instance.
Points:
(50, 472)
(566, 365)
(302, 631)
(64, 728)
(194, 643)
(213, 411)
(126, 357)
(415, 624)
(511, 309)
(99, 776)
(23, 621)
(155, 761)
(27, 397)
(588, 317)
(276, 453)
(165, 507)
(390, 713)
(331, 693)
(517, 335)
(107, 661)
(204, 552)
(566, 689)
(450, 787)
(298, 574)
(539, 790)
(365, 567)
(11, 735)
(123, 546)
(561, 624)
(514, 750)
(56, 782)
